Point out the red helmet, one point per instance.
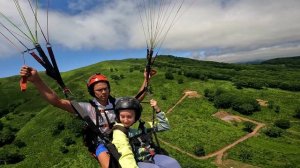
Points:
(95, 79)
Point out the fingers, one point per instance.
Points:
(153, 102)
(25, 71)
(152, 73)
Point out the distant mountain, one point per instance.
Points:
(283, 61)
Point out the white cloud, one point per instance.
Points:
(228, 31)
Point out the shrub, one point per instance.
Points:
(245, 155)
(248, 126)
(1, 125)
(282, 123)
(297, 112)
(209, 94)
(59, 127)
(180, 81)
(277, 109)
(3, 112)
(169, 75)
(219, 91)
(19, 143)
(63, 149)
(273, 132)
(271, 104)
(68, 141)
(75, 127)
(6, 137)
(115, 77)
(10, 158)
(199, 150)
(163, 97)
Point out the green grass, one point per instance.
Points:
(191, 121)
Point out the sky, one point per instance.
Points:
(84, 32)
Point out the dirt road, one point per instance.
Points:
(219, 153)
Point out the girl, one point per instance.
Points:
(139, 153)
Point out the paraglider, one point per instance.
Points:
(16, 30)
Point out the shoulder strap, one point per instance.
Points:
(121, 128)
(112, 100)
(87, 119)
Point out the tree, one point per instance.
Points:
(245, 105)
(223, 100)
(245, 108)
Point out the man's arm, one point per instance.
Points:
(48, 94)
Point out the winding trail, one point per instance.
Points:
(219, 153)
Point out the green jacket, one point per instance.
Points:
(121, 141)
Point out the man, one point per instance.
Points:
(99, 88)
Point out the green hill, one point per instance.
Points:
(35, 134)
(289, 61)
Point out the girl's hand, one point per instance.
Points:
(153, 104)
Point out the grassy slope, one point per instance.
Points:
(191, 121)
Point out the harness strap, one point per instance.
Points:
(111, 147)
(98, 112)
(119, 127)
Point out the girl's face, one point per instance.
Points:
(127, 117)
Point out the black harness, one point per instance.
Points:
(106, 138)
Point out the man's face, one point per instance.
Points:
(127, 117)
(101, 92)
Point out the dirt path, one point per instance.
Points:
(187, 93)
(219, 153)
